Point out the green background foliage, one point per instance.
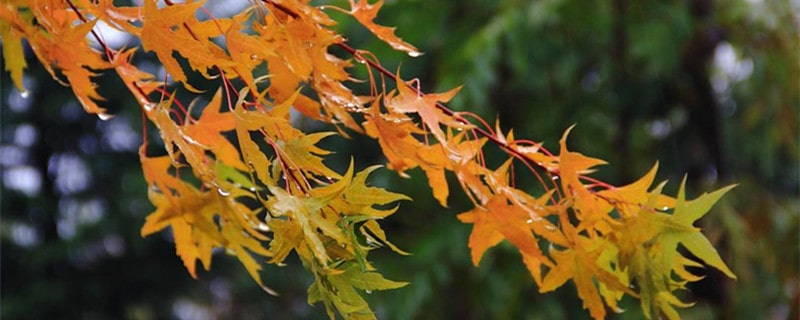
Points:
(708, 88)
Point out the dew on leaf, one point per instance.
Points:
(105, 116)
(25, 94)
(414, 54)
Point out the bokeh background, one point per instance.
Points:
(710, 89)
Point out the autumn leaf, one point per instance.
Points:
(163, 32)
(498, 220)
(678, 229)
(244, 177)
(395, 136)
(580, 263)
(360, 199)
(207, 131)
(365, 13)
(589, 209)
(138, 82)
(66, 51)
(339, 291)
(302, 153)
(408, 101)
(13, 54)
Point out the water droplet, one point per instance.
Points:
(665, 208)
(554, 178)
(252, 189)
(25, 94)
(529, 221)
(148, 106)
(414, 54)
(264, 227)
(550, 227)
(254, 56)
(105, 116)
(223, 192)
(368, 291)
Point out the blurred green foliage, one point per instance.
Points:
(708, 88)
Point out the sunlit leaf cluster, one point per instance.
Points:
(243, 177)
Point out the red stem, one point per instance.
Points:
(108, 51)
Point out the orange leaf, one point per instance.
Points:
(163, 32)
(67, 50)
(408, 101)
(207, 130)
(512, 222)
(572, 166)
(365, 13)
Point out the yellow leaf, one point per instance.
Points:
(13, 54)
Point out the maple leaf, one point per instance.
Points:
(395, 136)
(273, 122)
(360, 199)
(138, 82)
(365, 13)
(13, 55)
(303, 154)
(409, 101)
(305, 212)
(589, 209)
(170, 209)
(163, 32)
(680, 229)
(208, 128)
(155, 174)
(67, 51)
(648, 247)
(246, 51)
(339, 291)
(118, 17)
(580, 263)
(175, 137)
(497, 220)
